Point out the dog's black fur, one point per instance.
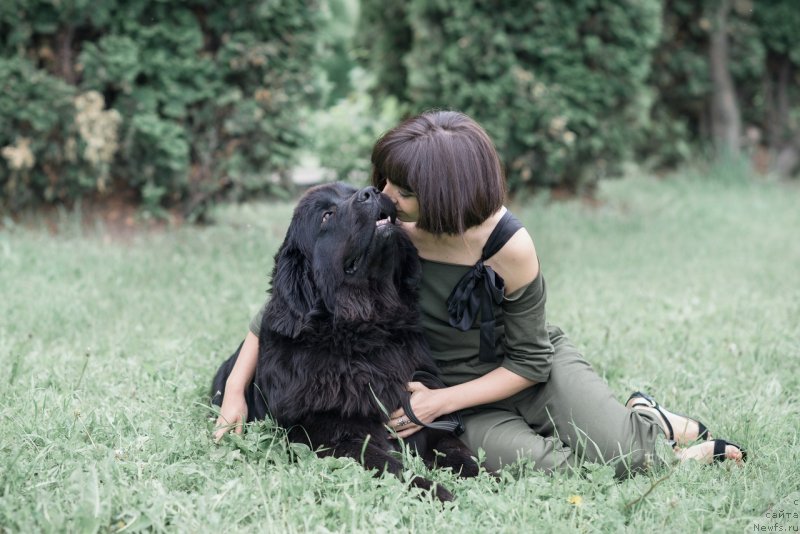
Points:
(340, 337)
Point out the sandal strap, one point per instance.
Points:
(651, 403)
(719, 450)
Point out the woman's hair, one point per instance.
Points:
(449, 162)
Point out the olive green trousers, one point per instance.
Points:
(570, 419)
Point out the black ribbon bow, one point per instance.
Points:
(467, 298)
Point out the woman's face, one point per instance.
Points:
(405, 201)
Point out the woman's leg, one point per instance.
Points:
(574, 417)
(578, 407)
(505, 437)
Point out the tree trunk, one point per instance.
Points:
(726, 122)
(783, 147)
(788, 159)
(777, 75)
(65, 66)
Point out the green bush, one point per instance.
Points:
(560, 86)
(37, 135)
(197, 99)
(383, 40)
(341, 137)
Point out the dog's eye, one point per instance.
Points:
(325, 216)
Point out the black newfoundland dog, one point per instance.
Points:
(340, 337)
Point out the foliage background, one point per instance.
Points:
(572, 90)
(182, 104)
(558, 86)
(192, 101)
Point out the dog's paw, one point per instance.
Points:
(440, 491)
(443, 494)
(460, 461)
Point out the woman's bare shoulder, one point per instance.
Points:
(517, 261)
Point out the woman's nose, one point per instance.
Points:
(389, 191)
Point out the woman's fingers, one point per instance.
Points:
(407, 433)
(400, 423)
(223, 426)
(401, 426)
(219, 430)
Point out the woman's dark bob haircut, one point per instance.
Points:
(449, 162)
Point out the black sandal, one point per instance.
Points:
(702, 431)
(719, 450)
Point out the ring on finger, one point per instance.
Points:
(403, 421)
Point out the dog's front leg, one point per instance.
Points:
(449, 451)
(372, 456)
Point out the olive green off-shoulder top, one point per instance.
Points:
(522, 339)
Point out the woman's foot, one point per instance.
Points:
(677, 428)
(712, 450)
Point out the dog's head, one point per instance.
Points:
(343, 255)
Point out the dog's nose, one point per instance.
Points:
(368, 193)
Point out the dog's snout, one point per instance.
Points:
(368, 193)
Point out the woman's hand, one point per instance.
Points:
(427, 405)
(233, 415)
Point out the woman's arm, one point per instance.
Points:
(428, 404)
(233, 413)
(493, 386)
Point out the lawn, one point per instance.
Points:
(686, 287)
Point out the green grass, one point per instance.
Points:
(687, 288)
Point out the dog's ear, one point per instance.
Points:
(293, 292)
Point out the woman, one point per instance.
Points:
(523, 388)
